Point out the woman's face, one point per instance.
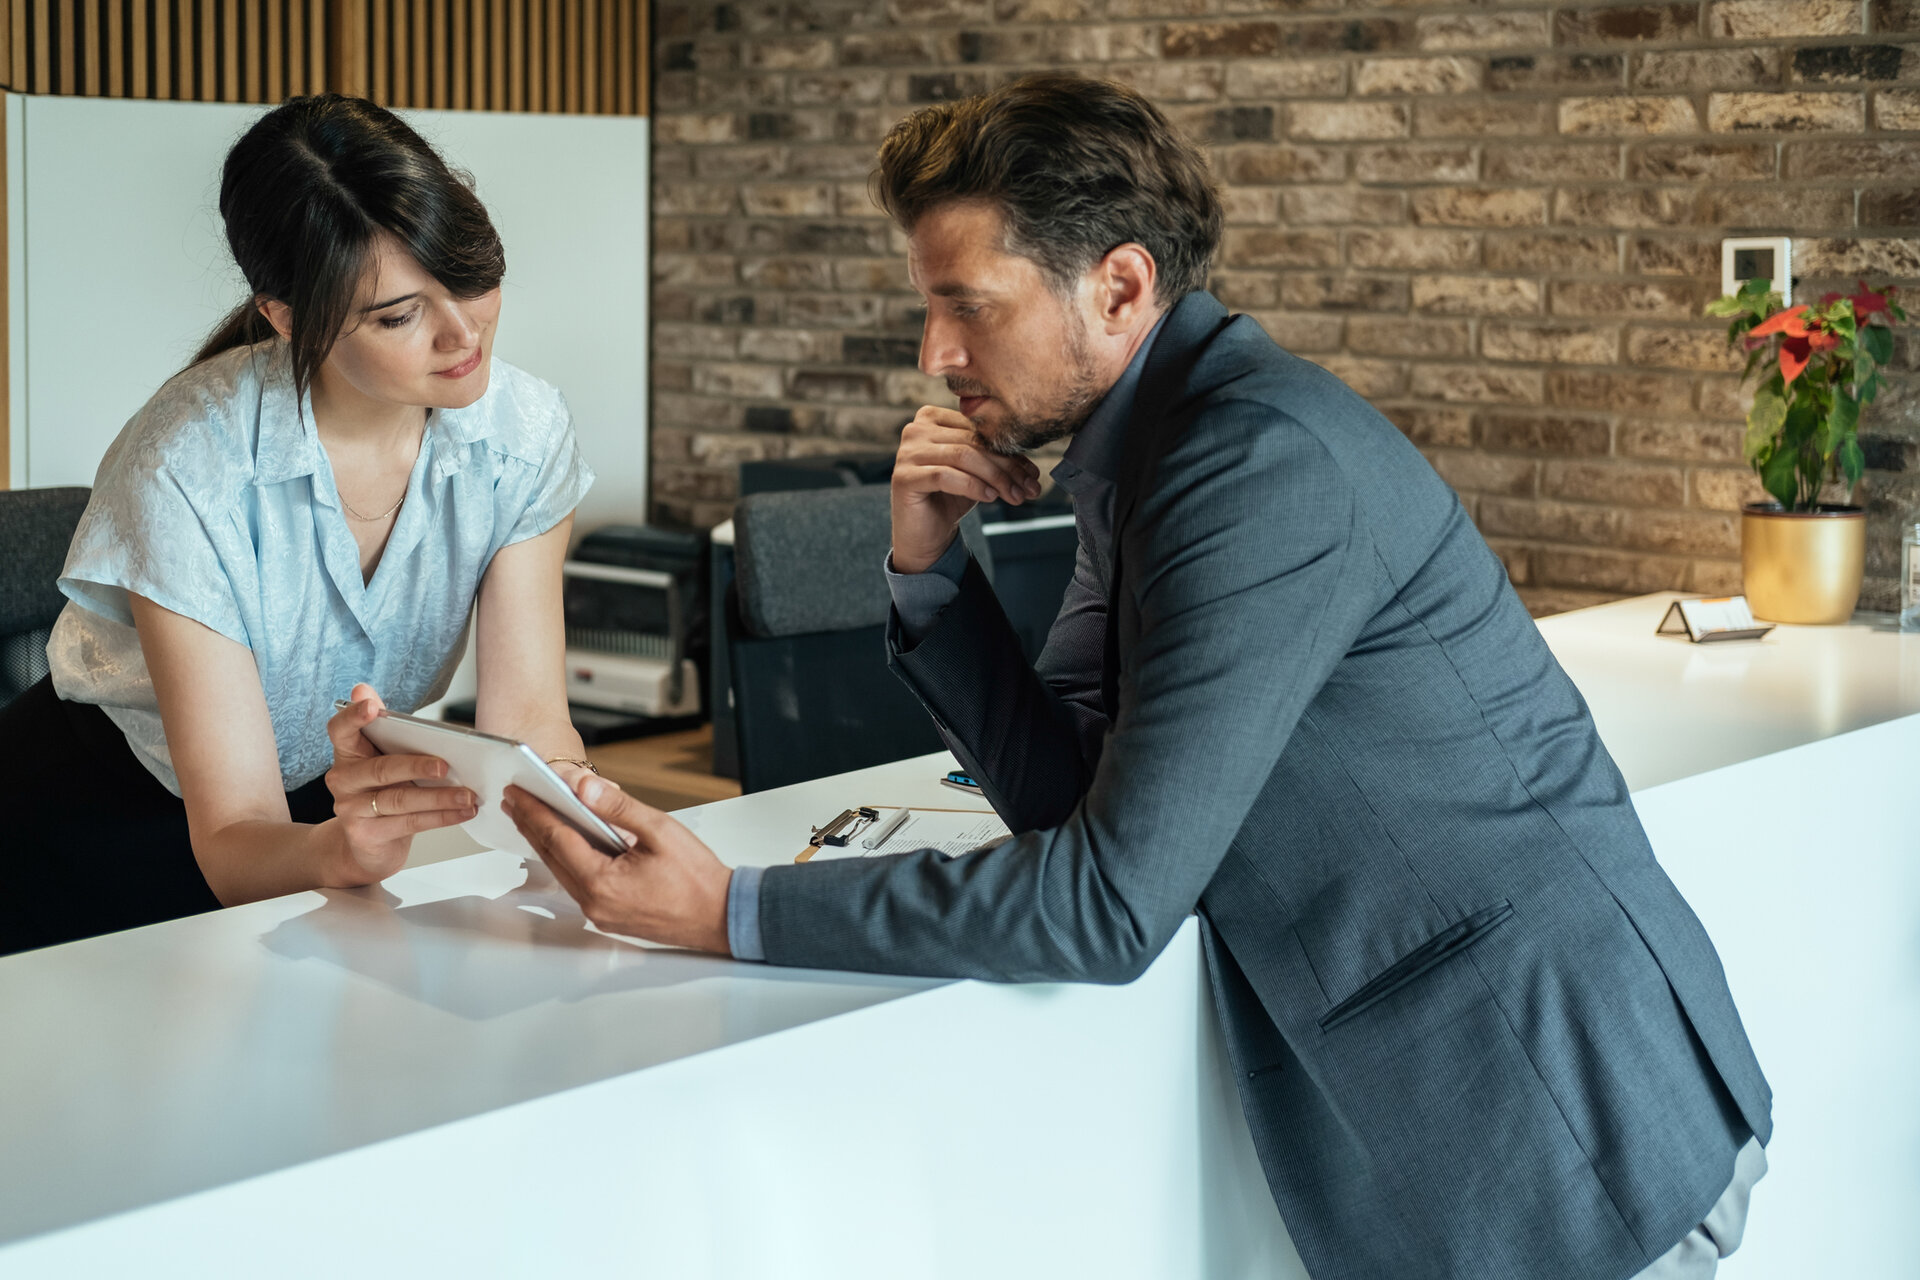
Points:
(408, 341)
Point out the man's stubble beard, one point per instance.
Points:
(1017, 435)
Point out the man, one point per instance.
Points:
(1477, 1031)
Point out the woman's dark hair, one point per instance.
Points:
(304, 193)
(1076, 167)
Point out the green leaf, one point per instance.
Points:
(1878, 340)
(1843, 420)
(1803, 420)
(1777, 475)
(1764, 419)
(1852, 462)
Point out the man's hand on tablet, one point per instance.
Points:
(667, 888)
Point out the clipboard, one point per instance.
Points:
(1711, 619)
(857, 821)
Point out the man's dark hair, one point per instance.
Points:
(1076, 167)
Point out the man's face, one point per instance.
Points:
(1013, 350)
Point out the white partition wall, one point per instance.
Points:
(120, 268)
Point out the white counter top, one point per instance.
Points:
(452, 1072)
(225, 1045)
(1668, 708)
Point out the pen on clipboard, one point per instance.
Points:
(887, 829)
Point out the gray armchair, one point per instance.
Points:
(806, 637)
(36, 527)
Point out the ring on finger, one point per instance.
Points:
(373, 803)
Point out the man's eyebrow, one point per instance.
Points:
(953, 290)
(391, 302)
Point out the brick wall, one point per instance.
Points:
(1498, 223)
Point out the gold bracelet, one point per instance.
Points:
(584, 764)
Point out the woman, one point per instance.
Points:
(309, 511)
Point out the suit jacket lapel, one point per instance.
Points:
(1154, 422)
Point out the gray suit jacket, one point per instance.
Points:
(1477, 1030)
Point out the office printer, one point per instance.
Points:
(635, 599)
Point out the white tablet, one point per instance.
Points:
(486, 765)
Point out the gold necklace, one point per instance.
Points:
(371, 519)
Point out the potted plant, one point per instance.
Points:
(1820, 365)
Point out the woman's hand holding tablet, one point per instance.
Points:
(384, 800)
(431, 756)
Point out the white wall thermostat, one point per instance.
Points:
(1758, 258)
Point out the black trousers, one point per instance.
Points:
(90, 842)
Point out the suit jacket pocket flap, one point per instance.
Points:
(1454, 938)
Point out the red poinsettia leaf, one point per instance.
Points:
(1828, 299)
(1787, 322)
(1867, 304)
(1794, 353)
(1822, 341)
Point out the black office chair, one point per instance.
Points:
(36, 527)
(806, 637)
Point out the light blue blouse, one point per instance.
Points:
(217, 502)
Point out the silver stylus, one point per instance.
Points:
(891, 825)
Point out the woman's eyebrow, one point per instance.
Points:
(391, 302)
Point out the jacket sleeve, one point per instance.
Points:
(1018, 732)
(1247, 567)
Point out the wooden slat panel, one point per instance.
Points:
(496, 55)
(253, 49)
(183, 86)
(609, 56)
(116, 49)
(163, 39)
(17, 53)
(437, 42)
(89, 53)
(576, 61)
(276, 50)
(42, 78)
(589, 55)
(556, 53)
(532, 60)
(138, 47)
(296, 48)
(317, 46)
(402, 50)
(347, 58)
(584, 56)
(229, 36)
(420, 74)
(623, 70)
(67, 67)
(460, 58)
(206, 71)
(379, 47)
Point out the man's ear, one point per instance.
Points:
(1125, 279)
(278, 314)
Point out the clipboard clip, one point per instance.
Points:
(849, 824)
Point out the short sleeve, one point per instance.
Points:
(144, 532)
(562, 477)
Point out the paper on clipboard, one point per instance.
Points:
(951, 831)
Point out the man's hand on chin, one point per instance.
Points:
(667, 888)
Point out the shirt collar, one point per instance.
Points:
(288, 447)
(1095, 450)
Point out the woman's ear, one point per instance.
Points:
(278, 314)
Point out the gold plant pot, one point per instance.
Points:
(1802, 566)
